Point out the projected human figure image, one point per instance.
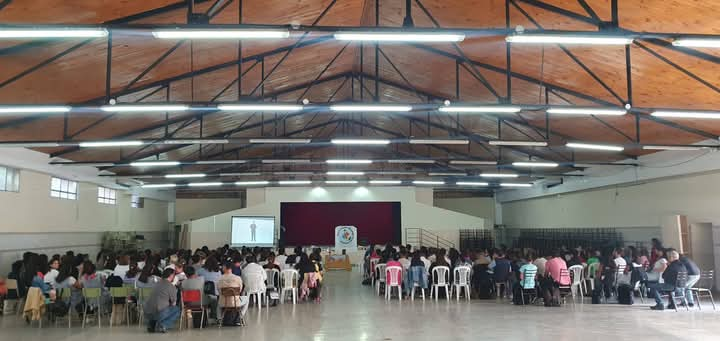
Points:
(253, 227)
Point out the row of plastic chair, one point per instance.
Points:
(390, 277)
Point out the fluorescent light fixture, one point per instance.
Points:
(154, 163)
(100, 144)
(400, 36)
(219, 162)
(514, 185)
(394, 173)
(259, 107)
(697, 42)
(144, 108)
(29, 144)
(424, 182)
(567, 39)
(535, 164)
(465, 183)
(378, 142)
(52, 33)
(251, 183)
(519, 143)
(685, 148)
(294, 182)
(240, 174)
(220, 34)
(293, 173)
(205, 184)
(371, 108)
(276, 161)
(35, 109)
(411, 161)
(498, 175)
(197, 141)
(341, 182)
(385, 182)
(687, 114)
(594, 146)
(344, 173)
(280, 141)
(355, 162)
(473, 162)
(488, 109)
(182, 176)
(159, 186)
(439, 141)
(587, 111)
(447, 174)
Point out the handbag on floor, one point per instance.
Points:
(625, 294)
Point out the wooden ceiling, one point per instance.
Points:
(75, 72)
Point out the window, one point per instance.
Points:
(136, 201)
(9, 179)
(63, 189)
(106, 196)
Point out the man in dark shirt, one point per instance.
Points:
(161, 310)
(502, 271)
(670, 277)
(693, 276)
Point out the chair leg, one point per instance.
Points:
(672, 298)
(84, 317)
(712, 300)
(422, 291)
(412, 293)
(447, 293)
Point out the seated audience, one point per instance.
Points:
(659, 266)
(669, 277)
(146, 278)
(230, 280)
(161, 310)
(693, 272)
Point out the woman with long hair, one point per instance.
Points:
(147, 279)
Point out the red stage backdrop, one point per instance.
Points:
(313, 223)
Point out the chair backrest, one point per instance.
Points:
(576, 273)
(440, 274)
(255, 283)
(289, 278)
(462, 275)
(64, 293)
(529, 273)
(192, 297)
(11, 284)
(621, 269)
(682, 278)
(230, 292)
(380, 269)
(592, 270)
(118, 292)
(273, 276)
(373, 262)
(393, 274)
(92, 293)
(706, 281)
(143, 293)
(564, 274)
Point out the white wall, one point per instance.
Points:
(215, 230)
(645, 204)
(191, 209)
(34, 221)
(474, 206)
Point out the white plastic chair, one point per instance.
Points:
(289, 282)
(461, 281)
(373, 263)
(576, 272)
(393, 276)
(380, 270)
(273, 276)
(590, 276)
(255, 286)
(441, 273)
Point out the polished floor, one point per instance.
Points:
(350, 311)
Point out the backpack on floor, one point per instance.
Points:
(625, 294)
(596, 295)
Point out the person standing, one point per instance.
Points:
(161, 310)
(253, 227)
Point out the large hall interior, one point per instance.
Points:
(359, 169)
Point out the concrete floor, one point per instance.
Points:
(350, 311)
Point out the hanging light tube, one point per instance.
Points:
(183, 176)
(345, 161)
(145, 108)
(587, 111)
(498, 175)
(370, 108)
(294, 182)
(594, 146)
(385, 182)
(100, 144)
(154, 163)
(220, 34)
(260, 107)
(251, 183)
(687, 114)
(344, 173)
(518, 143)
(280, 141)
(426, 182)
(467, 183)
(377, 142)
(34, 109)
(205, 184)
(439, 141)
(507, 184)
(487, 109)
(14, 33)
(567, 39)
(400, 36)
(535, 164)
(341, 182)
(159, 186)
(697, 42)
